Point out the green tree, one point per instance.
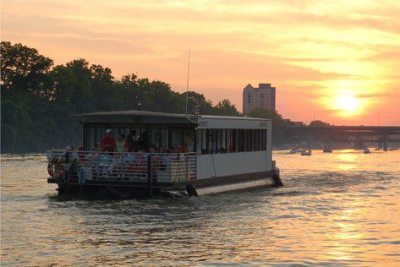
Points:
(39, 102)
(266, 114)
(103, 90)
(24, 89)
(197, 103)
(318, 123)
(224, 107)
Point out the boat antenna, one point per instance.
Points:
(187, 84)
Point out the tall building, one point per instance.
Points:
(261, 97)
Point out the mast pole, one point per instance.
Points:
(187, 84)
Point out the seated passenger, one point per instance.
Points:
(182, 148)
(108, 142)
(68, 159)
(81, 154)
(152, 149)
(68, 155)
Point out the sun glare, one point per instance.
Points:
(347, 104)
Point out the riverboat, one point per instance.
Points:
(176, 154)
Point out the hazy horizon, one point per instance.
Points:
(335, 61)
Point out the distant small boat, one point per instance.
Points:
(367, 151)
(295, 150)
(327, 149)
(306, 152)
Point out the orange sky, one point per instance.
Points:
(336, 61)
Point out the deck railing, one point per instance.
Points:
(134, 167)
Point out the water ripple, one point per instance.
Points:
(342, 210)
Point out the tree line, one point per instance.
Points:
(39, 100)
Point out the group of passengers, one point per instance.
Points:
(71, 158)
(125, 164)
(128, 144)
(133, 144)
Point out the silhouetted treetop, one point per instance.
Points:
(39, 100)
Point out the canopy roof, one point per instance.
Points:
(137, 117)
(149, 117)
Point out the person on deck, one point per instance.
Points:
(108, 142)
(143, 142)
(131, 141)
(121, 143)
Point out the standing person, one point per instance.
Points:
(121, 143)
(108, 142)
(143, 142)
(131, 141)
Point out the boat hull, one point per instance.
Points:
(190, 188)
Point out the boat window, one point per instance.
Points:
(203, 141)
(214, 144)
(263, 139)
(152, 135)
(219, 140)
(228, 141)
(90, 138)
(177, 138)
(213, 141)
(232, 141)
(241, 140)
(255, 138)
(188, 139)
(223, 141)
(99, 134)
(249, 141)
(199, 142)
(209, 143)
(156, 136)
(163, 138)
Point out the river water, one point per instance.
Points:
(335, 209)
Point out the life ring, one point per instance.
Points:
(50, 169)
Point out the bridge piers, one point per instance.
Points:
(359, 136)
(384, 143)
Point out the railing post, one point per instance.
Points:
(66, 173)
(149, 177)
(170, 167)
(122, 166)
(187, 166)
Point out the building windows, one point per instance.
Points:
(215, 141)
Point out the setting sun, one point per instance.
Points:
(347, 104)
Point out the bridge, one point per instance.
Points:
(356, 134)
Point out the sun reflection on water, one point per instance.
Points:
(346, 161)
